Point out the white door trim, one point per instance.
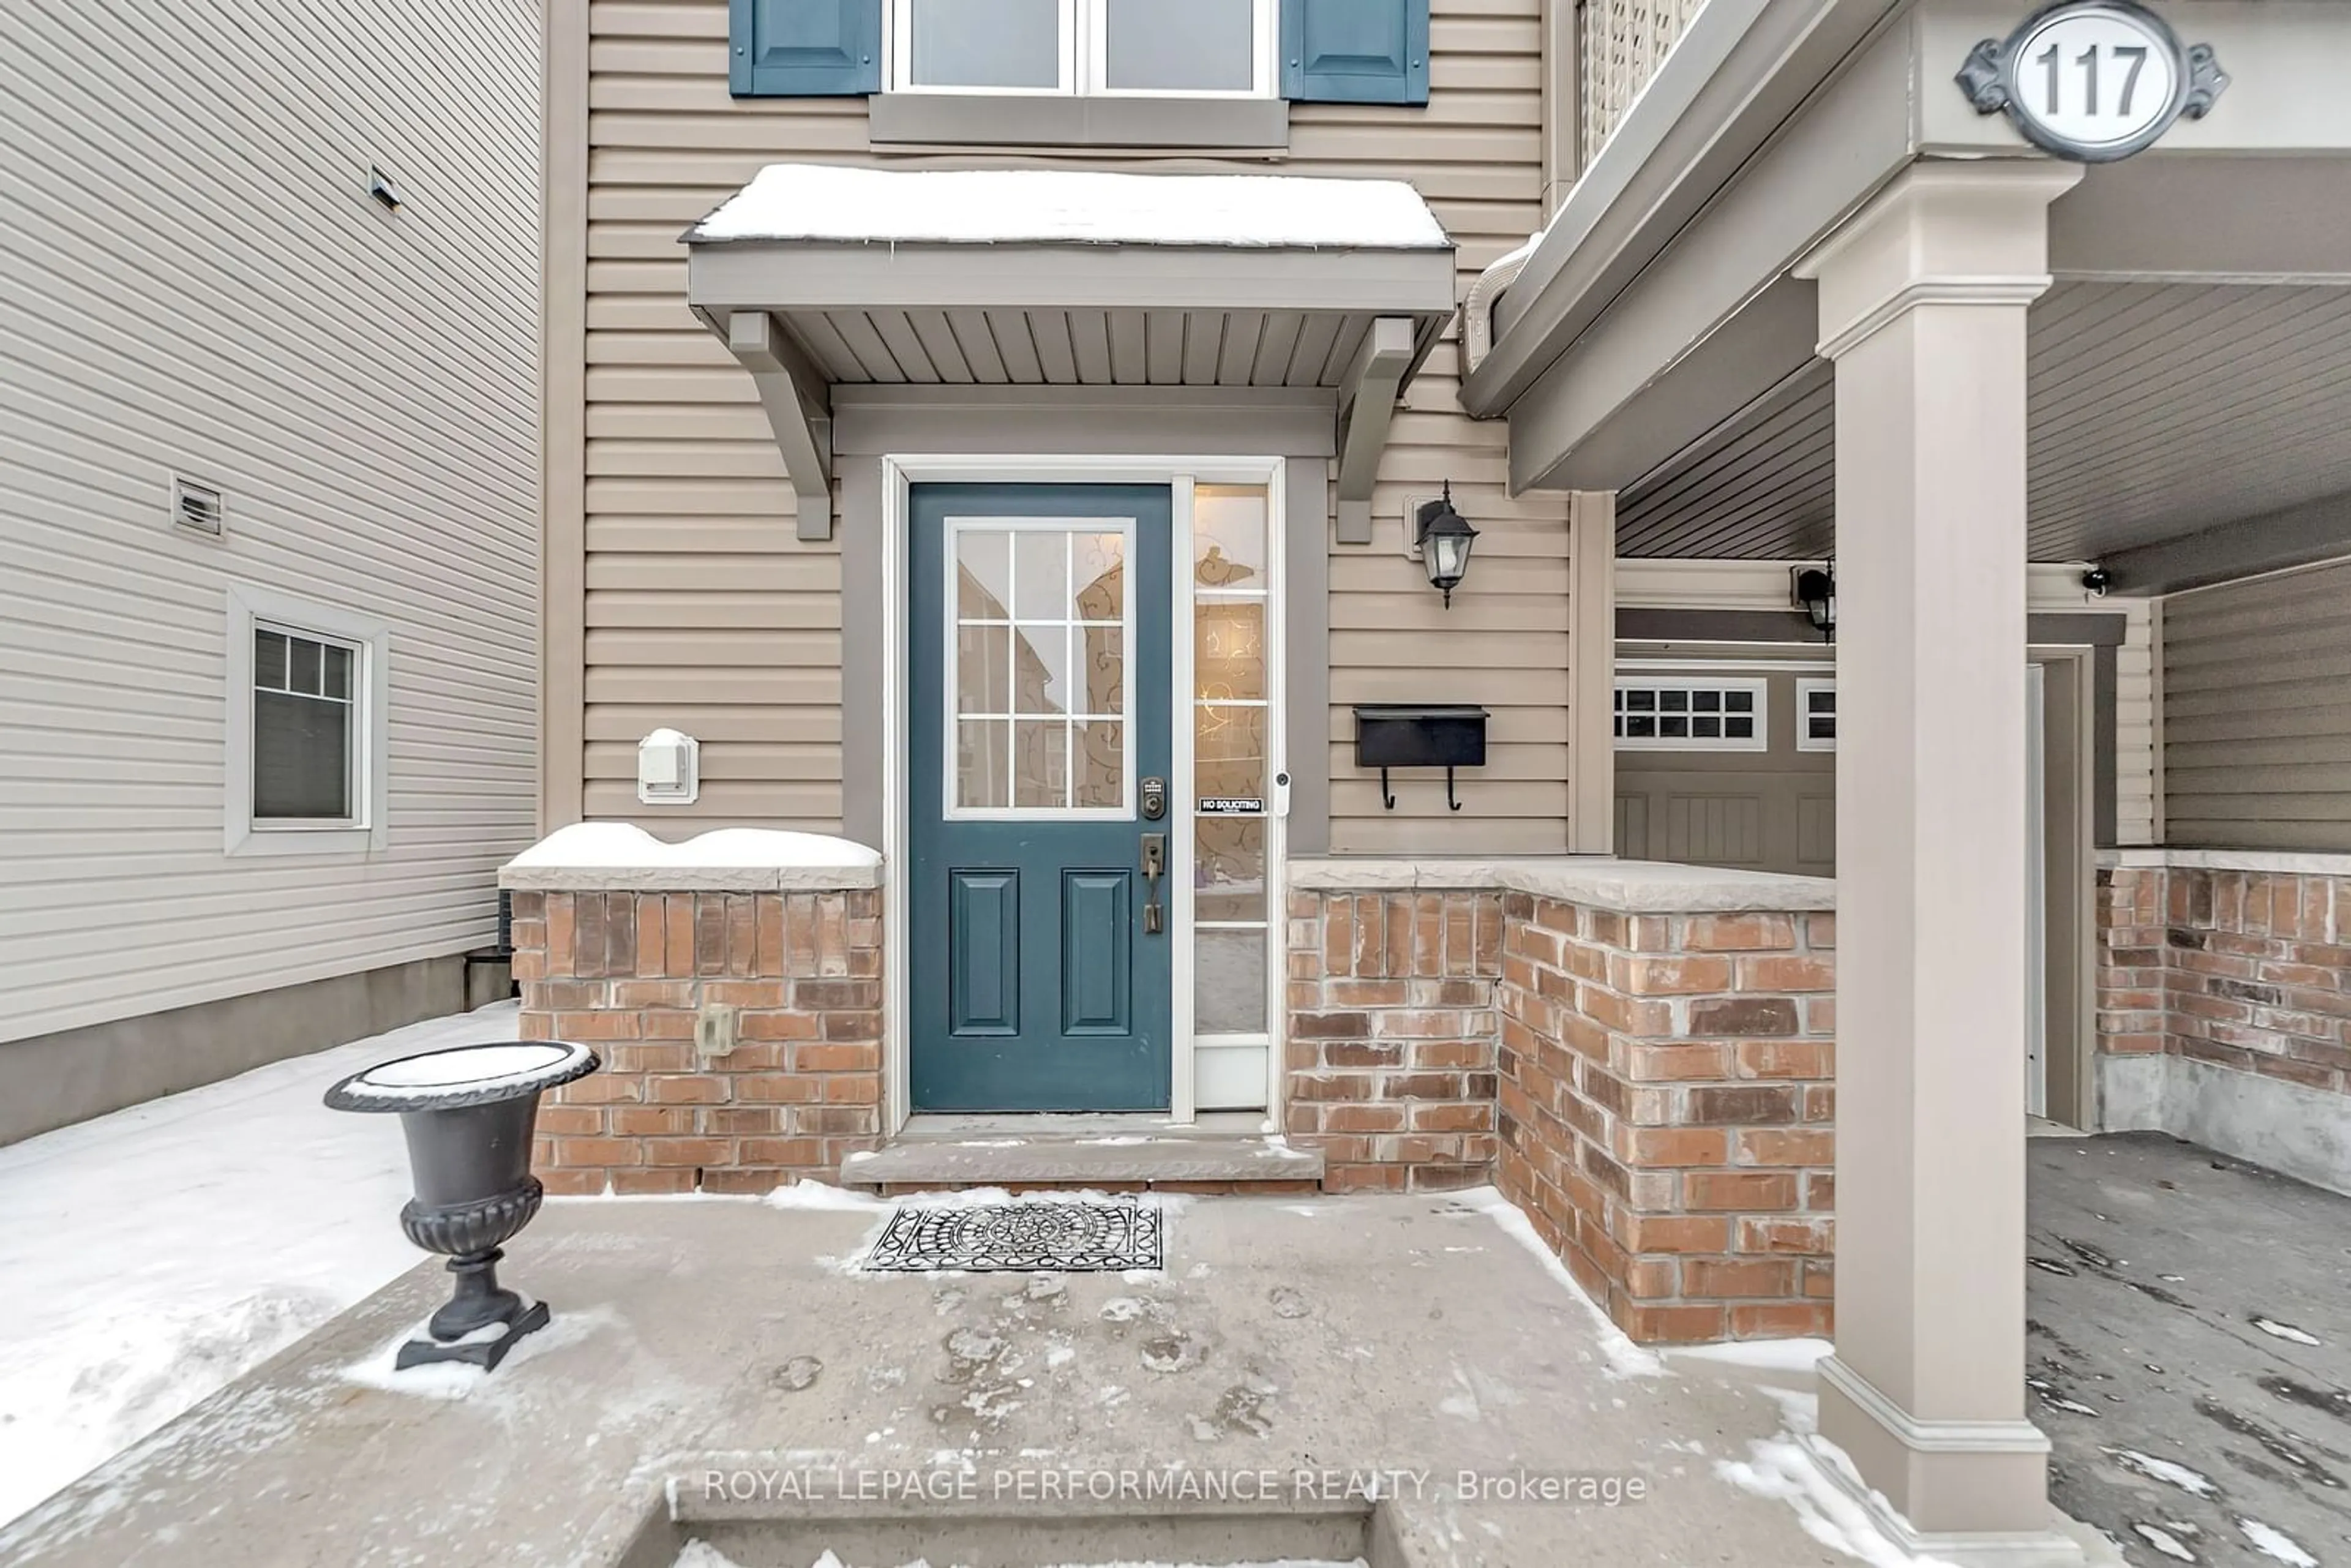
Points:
(899, 474)
(2036, 894)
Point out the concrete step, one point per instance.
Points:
(1113, 1154)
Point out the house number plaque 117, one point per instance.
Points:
(2092, 81)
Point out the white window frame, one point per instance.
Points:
(1759, 688)
(1805, 690)
(949, 777)
(250, 609)
(1085, 53)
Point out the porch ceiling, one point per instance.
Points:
(2157, 410)
(1134, 346)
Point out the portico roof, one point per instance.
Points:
(818, 275)
(2188, 383)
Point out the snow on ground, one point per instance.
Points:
(1624, 1358)
(462, 1380)
(151, 1257)
(1785, 1356)
(2274, 1542)
(1793, 1466)
(701, 1554)
(2285, 1332)
(817, 1195)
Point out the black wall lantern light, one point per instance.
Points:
(1813, 588)
(1444, 537)
(469, 1111)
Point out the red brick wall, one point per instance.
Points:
(628, 972)
(2245, 970)
(1391, 1037)
(1655, 1091)
(1667, 1112)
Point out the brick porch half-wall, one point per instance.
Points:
(1667, 1111)
(1654, 1084)
(2245, 970)
(627, 972)
(1389, 1069)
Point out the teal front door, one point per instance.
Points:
(1039, 740)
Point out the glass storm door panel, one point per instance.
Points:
(1038, 705)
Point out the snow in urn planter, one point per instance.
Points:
(468, 1111)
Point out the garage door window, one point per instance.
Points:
(1726, 715)
(1817, 715)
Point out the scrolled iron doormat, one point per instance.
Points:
(1031, 1236)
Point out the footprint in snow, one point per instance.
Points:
(1174, 1353)
(798, 1373)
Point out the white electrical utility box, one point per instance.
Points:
(669, 768)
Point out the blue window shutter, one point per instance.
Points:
(1354, 51)
(804, 49)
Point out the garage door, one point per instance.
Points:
(1730, 763)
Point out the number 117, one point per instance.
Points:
(2088, 60)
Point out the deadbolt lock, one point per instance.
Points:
(1154, 799)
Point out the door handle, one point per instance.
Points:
(1154, 866)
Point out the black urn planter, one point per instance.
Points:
(468, 1111)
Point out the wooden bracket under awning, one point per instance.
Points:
(1367, 400)
(797, 398)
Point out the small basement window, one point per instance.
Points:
(1710, 715)
(1221, 49)
(1817, 715)
(307, 727)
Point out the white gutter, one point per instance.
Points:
(1477, 305)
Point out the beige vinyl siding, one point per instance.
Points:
(193, 281)
(2257, 713)
(2137, 777)
(702, 611)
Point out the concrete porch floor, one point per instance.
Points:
(1373, 1332)
(2190, 1351)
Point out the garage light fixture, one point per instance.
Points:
(1813, 590)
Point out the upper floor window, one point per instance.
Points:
(1201, 47)
(1237, 57)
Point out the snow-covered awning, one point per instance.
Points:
(1055, 206)
(816, 275)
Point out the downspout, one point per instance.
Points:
(1478, 306)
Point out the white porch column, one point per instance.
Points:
(1922, 306)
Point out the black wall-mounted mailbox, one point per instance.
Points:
(1419, 735)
